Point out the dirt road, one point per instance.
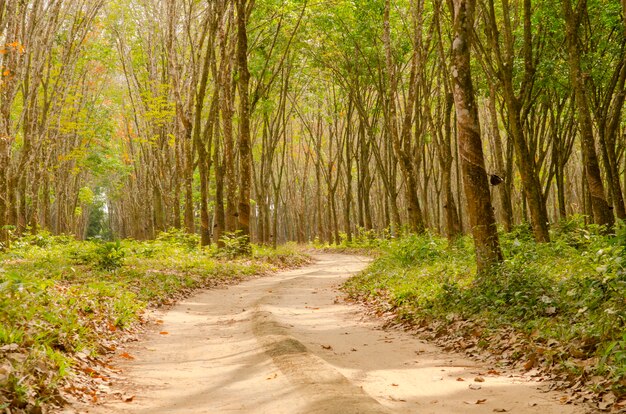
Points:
(285, 344)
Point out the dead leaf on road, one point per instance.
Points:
(607, 401)
(479, 379)
(396, 399)
(164, 333)
(500, 410)
(327, 347)
(530, 363)
(476, 402)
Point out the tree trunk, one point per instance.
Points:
(400, 141)
(481, 216)
(526, 163)
(505, 190)
(602, 213)
(245, 146)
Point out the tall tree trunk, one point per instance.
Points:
(227, 111)
(505, 190)
(601, 210)
(526, 163)
(401, 141)
(481, 216)
(245, 146)
(219, 226)
(453, 225)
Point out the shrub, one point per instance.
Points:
(179, 237)
(413, 249)
(236, 244)
(110, 256)
(101, 255)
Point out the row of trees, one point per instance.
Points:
(51, 77)
(297, 120)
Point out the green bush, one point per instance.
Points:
(412, 249)
(110, 255)
(236, 245)
(179, 237)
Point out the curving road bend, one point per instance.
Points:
(285, 344)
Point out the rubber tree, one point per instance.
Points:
(475, 181)
(602, 213)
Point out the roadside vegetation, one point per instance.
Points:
(361, 242)
(557, 308)
(64, 303)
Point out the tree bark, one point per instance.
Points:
(602, 213)
(245, 146)
(480, 211)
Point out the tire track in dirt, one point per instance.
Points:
(328, 389)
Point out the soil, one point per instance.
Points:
(288, 343)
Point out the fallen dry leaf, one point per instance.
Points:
(479, 379)
(607, 401)
(126, 355)
(499, 410)
(128, 398)
(530, 363)
(475, 402)
(394, 385)
(460, 379)
(164, 333)
(392, 398)
(327, 347)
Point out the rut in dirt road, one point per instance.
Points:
(285, 344)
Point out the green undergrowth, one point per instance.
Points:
(362, 242)
(558, 306)
(60, 298)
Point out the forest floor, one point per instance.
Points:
(288, 343)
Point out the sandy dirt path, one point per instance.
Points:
(286, 344)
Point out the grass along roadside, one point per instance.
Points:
(65, 303)
(558, 308)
